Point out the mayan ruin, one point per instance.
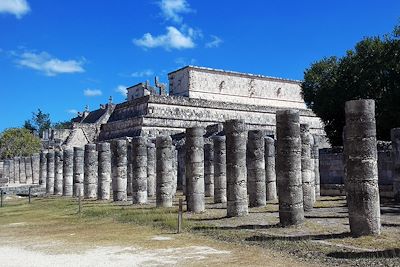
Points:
(200, 134)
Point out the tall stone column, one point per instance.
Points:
(119, 169)
(50, 173)
(219, 169)
(395, 136)
(288, 167)
(104, 190)
(307, 170)
(174, 170)
(270, 174)
(236, 173)
(78, 171)
(6, 171)
(195, 169)
(11, 171)
(28, 169)
(129, 173)
(362, 168)
(22, 173)
(181, 168)
(90, 171)
(315, 158)
(256, 169)
(164, 171)
(151, 169)
(43, 169)
(209, 170)
(139, 170)
(35, 168)
(58, 173)
(68, 172)
(16, 170)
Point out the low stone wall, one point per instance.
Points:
(11, 189)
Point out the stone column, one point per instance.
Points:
(35, 168)
(288, 167)
(256, 169)
(151, 169)
(236, 173)
(58, 173)
(174, 170)
(181, 168)
(11, 171)
(50, 173)
(43, 169)
(209, 170)
(28, 169)
(16, 170)
(6, 171)
(68, 172)
(219, 169)
(78, 171)
(104, 190)
(129, 173)
(139, 170)
(395, 136)
(315, 158)
(22, 173)
(90, 171)
(1, 169)
(195, 169)
(307, 170)
(119, 169)
(362, 168)
(270, 175)
(164, 171)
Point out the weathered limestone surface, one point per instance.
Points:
(22, 171)
(43, 169)
(16, 170)
(151, 169)
(181, 168)
(270, 174)
(219, 169)
(6, 173)
(209, 170)
(119, 169)
(395, 136)
(288, 168)
(236, 173)
(315, 158)
(129, 173)
(50, 173)
(255, 159)
(28, 169)
(174, 170)
(35, 168)
(58, 173)
(78, 171)
(307, 170)
(195, 169)
(361, 168)
(104, 179)
(164, 174)
(68, 172)
(11, 174)
(90, 171)
(139, 170)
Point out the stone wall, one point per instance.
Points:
(234, 87)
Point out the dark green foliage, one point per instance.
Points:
(62, 125)
(18, 142)
(370, 71)
(40, 121)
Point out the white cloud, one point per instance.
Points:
(215, 42)
(143, 73)
(92, 92)
(15, 7)
(72, 111)
(122, 90)
(172, 39)
(47, 64)
(172, 9)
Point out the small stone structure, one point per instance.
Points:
(119, 169)
(361, 168)
(236, 174)
(164, 171)
(58, 173)
(307, 170)
(78, 171)
(139, 170)
(151, 169)
(16, 170)
(68, 172)
(256, 168)
(43, 168)
(288, 168)
(50, 173)
(90, 171)
(35, 168)
(270, 174)
(195, 169)
(209, 170)
(219, 169)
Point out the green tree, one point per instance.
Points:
(62, 125)
(370, 70)
(18, 142)
(40, 121)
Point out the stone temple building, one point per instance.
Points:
(197, 96)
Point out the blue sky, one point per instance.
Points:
(60, 55)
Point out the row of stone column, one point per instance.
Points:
(21, 170)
